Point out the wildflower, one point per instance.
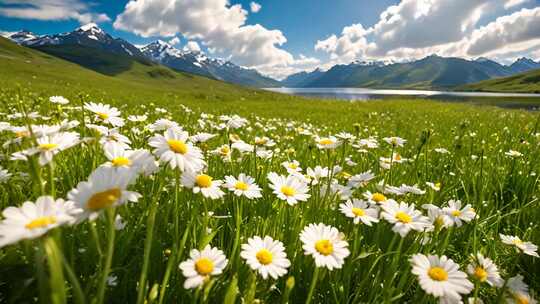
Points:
(50, 145)
(292, 166)
(58, 100)
(163, 125)
(440, 277)
(242, 147)
(360, 180)
(4, 175)
(405, 189)
(106, 187)
(267, 256)
(327, 142)
(457, 214)
(290, 188)
(360, 210)
(375, 198)
(233, 122)
(317, 174)
(325, 244)
(202, 183)
(137, 118)
(441, 150)
(201, 265)
(438, 218)
(33, 220)
(243, 185)
(141, 160)
(518, 291)
(514, 154)
(527, 247)
(105, 113)
(404, 217)
(434, 186)
(484, 270)
(172, 147)
(395, 141)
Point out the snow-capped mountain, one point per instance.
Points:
(198, 63)
(524, 64)
(89, 35)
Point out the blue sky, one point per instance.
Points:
(318, 33)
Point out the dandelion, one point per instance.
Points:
(106, 187)
(243, 186)
(290, 188)
(202, 183)
(267, 256)
(325, 244)
(33, 220)
(527, 247)
(172, 148)
(457, 214)
(483, 270)
(201, 265)
(360, 210)
(404, 217)
(440, 277)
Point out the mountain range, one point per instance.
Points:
(93, 48)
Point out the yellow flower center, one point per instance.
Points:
(288, 191)
(20, 134)
(438, 185)
(224, 151)
(325, 142)
(481, 274)
(41, 222)
(403, 217)
(358, 211)
(378, 197)
(241, 186)
(121, 161)
(397, 157)
(177, 146)
(293, 166)
(47, 147)
(264, 257)
(437, 274)
(261, 141)
(103, 199)
(102, 115)
(521, 299)
(203, 180)
(324, 247)
(456, 213)
(517, 242)
(204, 266)
(439, 221)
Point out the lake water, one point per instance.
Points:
(507, 100)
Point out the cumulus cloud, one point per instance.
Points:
(192, 46)
(51, 10)
(256, 7)
(416, 28)
(221, 27)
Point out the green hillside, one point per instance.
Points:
(528, 82)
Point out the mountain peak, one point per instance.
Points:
(92, 27)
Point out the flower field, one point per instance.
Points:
(292, 202)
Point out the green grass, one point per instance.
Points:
(168, 221)
(528, 82)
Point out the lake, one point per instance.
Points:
(507, 100)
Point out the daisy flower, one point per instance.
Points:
(317, 174)
(434, 186)
(513, 153)
(110, 135)
(325, 244)
(105, 113)
(33, 220)
(291, 166)
(172, 147)
(360, 180)
(290, 188)
(484, 270)
(375, 198)
(201, 137)
(457, 214)
(527, 247)
(4, 175)
(360, 210)
(327, 142)
(437, 216)
(404, 217)
(518, 291)
(201, 265)
(59, 100)
(106, 187)
(50, 145)
(267, 256)
(395, 141)
(243, 185)
(141, 160)
(202, 183)
(164, 124)
(440, 277)
(224, 151)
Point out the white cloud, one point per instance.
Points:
(513, 3)
(414, 29)
(302, 63)
(51, 10)
(192, 46)
(256, 7)
(174, 40)
(219, 26)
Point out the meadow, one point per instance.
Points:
(129, 191)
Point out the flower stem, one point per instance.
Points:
(108, 256)
(313, 284)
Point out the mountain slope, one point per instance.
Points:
(528, 82)
(301, 79)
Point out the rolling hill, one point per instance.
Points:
(528, 82)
